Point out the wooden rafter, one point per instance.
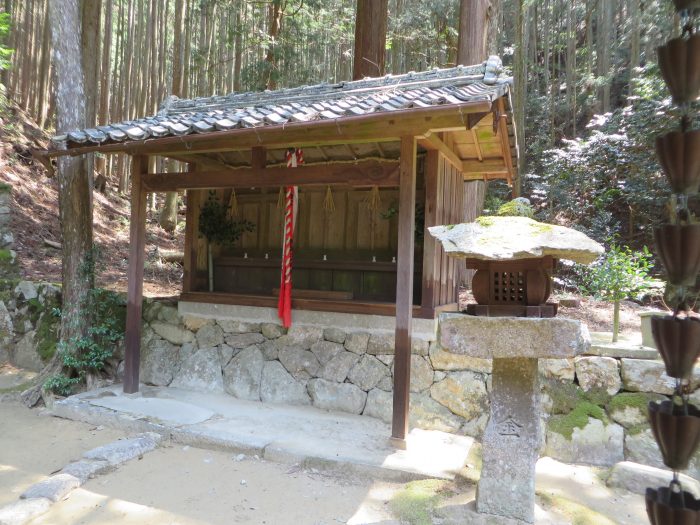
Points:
(433, 142)
(359, 174)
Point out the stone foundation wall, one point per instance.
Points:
(28, 323)
(594, 406)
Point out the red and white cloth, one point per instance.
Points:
(295, 157)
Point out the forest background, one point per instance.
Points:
(588, 97)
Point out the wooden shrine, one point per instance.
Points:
(383, 159)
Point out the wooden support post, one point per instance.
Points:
(431, 255)
(137, 241)
(258, 157)
(189, 282)
(404, 289)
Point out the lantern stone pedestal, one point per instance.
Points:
(511, 441)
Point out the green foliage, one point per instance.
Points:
(216, 224)
(5, 188)
(607, 182)
(89, 353)
(577, 418)
(416, 502)
(5, 52)
(620, 274)
(5, 256)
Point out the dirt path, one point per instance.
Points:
(32, 446)
(195, 487)
(181, 485)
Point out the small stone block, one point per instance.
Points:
(20, 512)
(122, 451)
(54, 488)
(86, 469)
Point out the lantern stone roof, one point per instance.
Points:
(514, 238)
(321, 102)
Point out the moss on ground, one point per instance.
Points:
(485, 221)
(5, 256)
(575, 512)
(5, 188)
(577, 418)
(417, 501)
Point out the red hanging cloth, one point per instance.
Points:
(295, 157)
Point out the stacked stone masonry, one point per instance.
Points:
(591, 403)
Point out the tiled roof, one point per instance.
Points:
(176, 117)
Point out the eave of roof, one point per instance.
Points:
(197, 121)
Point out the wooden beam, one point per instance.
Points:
(477, 146)
(404, 288)
(382, 126)
(482, 166)
(474, 118)
(433, 142)
(431, 254)
(487, 175)
(505, 141)
(137, 243)
(361, 173)
(189, 283)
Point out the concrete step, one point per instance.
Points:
(289, 434)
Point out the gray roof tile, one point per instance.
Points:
(177, 117)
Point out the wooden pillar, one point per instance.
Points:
(404, 288)
(258, 157)
(137, 242)
(430, 287)
(189, 282)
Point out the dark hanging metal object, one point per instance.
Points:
(685, 5)
(679, 61)
(672, 506)
(676, 428)
(676, 423)
(679, 156)
(679, 249)
(678, 342)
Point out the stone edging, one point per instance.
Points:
(39, 497)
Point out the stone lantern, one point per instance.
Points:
(513, 325)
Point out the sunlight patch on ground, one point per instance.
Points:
(85, 506)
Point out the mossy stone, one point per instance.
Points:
(577, 418)
(46, 335)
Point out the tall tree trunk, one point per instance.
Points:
(168, 215)
(473, 25)
(90, 45)
(603, 37)
(520, 84)
(44, 72)
(370, 38)
(75, 206)
(634, 15)
(472, 49)
(275, 14)
(493, 31)
(101, 165)
(571, 65)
